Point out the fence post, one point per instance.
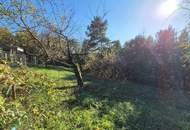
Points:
(35, 60)
(11, 56)
(13, 92)
(6, 56)
(25, 60)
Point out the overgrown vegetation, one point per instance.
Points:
(102, 105)
(94, 84)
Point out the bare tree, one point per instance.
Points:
(28, 16)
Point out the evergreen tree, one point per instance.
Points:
(96, 35)
(184, 37)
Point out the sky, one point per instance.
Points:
(126, 18)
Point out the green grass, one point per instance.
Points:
(102, 105)
(61, 77)
(111, 105)
(52, 73)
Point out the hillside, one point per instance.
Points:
(102, 105)
(94, 65)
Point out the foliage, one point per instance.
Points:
(104, 105)
(184, 46)
(46, 98)
(12, 114)
(23, 39)
(106, 68)
(26, 83)
(137, 60)
(102, 61)
(96, 33)
(6, 39)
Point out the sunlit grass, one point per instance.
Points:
(108, 105)
(61, 77)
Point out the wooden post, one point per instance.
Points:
(78, 75)
(35, 60)
(1, 53)
(21, 60)
(25, 60)
(13, 92)
(6, 56)
(11, 56)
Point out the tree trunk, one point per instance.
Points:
(78, 75)
(76, 68)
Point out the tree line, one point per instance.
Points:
(163, 61)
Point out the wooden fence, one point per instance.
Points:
(13, 57)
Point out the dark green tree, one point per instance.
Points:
(169, 71)
(116, 47)
(183, 37)
(6, 39)
(96, 35)
(184, 46)
(137, 60)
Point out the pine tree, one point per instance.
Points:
(96, 35)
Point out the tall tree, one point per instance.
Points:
(169, 71)
(137, 60)
(96, 35)
(184, 46)
(115, 47)
(183, 37)
(166, 40)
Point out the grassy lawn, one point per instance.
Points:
(61, 77)
(102, 105)
(108, 105)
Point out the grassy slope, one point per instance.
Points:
(61, 77)
(115, 105)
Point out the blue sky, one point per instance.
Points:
(126, 18)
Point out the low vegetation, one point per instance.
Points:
(102, 105)
(95, 83)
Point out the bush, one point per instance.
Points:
(29, 85)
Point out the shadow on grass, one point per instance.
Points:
(51, 67)
(127, 105)
(114, 92)
(65, 87)
(71, 77)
